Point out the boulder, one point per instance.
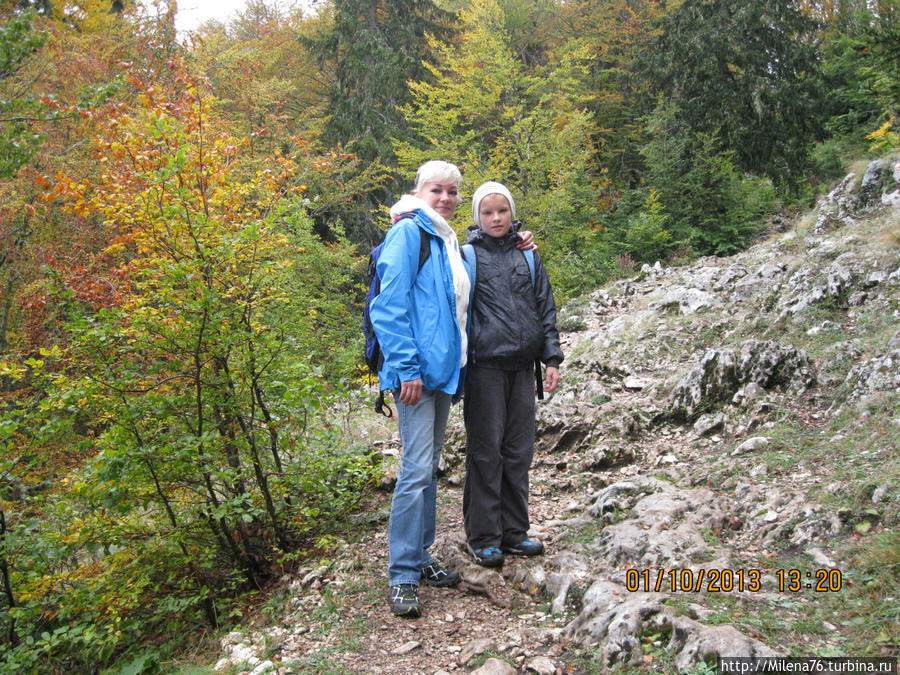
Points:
(496, 667)
(721, 372)
(878, 179)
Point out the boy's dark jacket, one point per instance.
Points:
(513, 322)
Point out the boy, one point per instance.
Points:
(513, 323)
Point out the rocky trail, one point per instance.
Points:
(714, 478)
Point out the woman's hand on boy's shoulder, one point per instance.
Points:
(526, 241)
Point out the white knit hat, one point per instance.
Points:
(491, 188)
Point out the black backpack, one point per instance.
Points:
(374, 357)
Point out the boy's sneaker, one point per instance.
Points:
(489, 556)
(435, 574)
(405, 600)
(527, 547)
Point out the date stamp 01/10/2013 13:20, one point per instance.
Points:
(726, 580)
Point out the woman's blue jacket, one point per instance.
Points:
(414, 314)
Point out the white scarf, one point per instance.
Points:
(461, 283)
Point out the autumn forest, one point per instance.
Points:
(184, 220)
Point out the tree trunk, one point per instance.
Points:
(11, 637)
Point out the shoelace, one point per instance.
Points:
(434, 572)
(404, 592)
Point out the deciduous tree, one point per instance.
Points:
(189, 388)
(501, 120)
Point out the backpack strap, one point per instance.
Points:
(538, 379)
(468, 253)
(529, 258)
(382, 407)
(424, 248)
(424, 239)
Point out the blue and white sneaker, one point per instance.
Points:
(526, 547)
(489, 556)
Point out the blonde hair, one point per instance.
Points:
(437, 171)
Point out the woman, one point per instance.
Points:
(420, 317)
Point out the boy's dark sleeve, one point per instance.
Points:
(546, 310)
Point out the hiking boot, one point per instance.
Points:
(489, 556)
(527, 547)
(405, 600)
(435, 574)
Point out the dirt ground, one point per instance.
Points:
(345, 625)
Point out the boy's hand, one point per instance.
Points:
(411, 392)
(551, 378)
(526, 241)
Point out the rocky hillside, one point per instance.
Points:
(719, 475)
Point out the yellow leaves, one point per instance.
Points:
(883, 138)
(11, 370)
(229, 147)
(34, 364)
(115, 249)
(53, 352)
(74, 534)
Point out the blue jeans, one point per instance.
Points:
(412, 523)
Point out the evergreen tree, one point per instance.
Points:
(708, 207)
(860, 44)
(746, 70)
(613, 33)
(375, 47)
(370, 52)
(885, 48)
